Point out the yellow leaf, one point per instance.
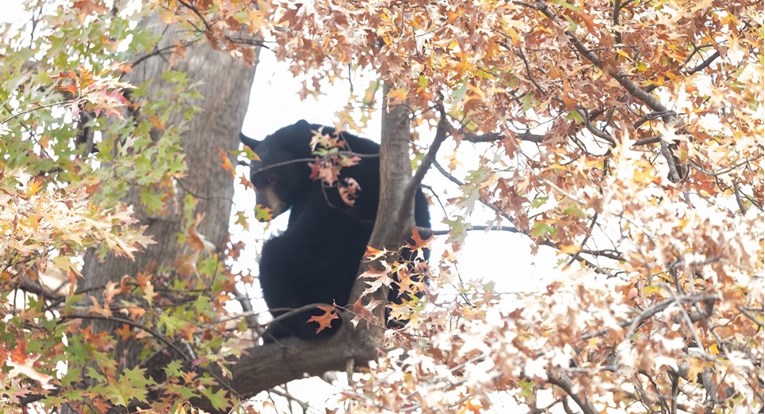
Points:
(649, 290)
(570, 248)
(514, 36)
(622, 53)
(256, 19)
(397, 96)
(453, 15)
(34, 185)
(714, 350)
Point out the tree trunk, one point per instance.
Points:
(224, 82)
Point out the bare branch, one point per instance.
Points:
(564, 383)
(586, 238)
(131, 323)
(509, 229)
(705, 64)
(38, 107)
(646, 141)
(495, 136)
(653, 310)
(591, 128)
(656, 308)
(615, 20)
(750, 316)
(528, 72)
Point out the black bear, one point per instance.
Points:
(315, 260)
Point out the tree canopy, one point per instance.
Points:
(626, 135)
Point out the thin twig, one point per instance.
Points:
(38, 107)
(651, 311)
(586, 238)
(114, 319)
(565, 383)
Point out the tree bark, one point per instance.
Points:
(395, 175)
(224, 82)
(266, 366)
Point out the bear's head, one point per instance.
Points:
(280, 172)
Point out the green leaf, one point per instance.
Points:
(217, 399)
(423, 81)
(132, 385)
(170, 324)
(173, 369)
(262, 214)
(527, 389)
(539, 201)
(460, 92)
(575, 211)
(175, 76)
(241, 219)
(528, 102)
(566, 4)
(152, 200)
(542, 230)
(458, 229)
(93, 374)
(575, 116)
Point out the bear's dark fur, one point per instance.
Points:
(316, 258)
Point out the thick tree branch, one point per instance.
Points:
(395, 173)
(262, 367)
(391, 226)
(442, 131)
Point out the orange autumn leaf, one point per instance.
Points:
(325, 319)
(225, 163)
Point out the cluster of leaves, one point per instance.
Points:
(333, 155)
(627, 135)
(44, 232)
(465, 353)
(235, 26)
(403, 270)
(76, 140)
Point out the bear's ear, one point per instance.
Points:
(252, 143)
(302, 124)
